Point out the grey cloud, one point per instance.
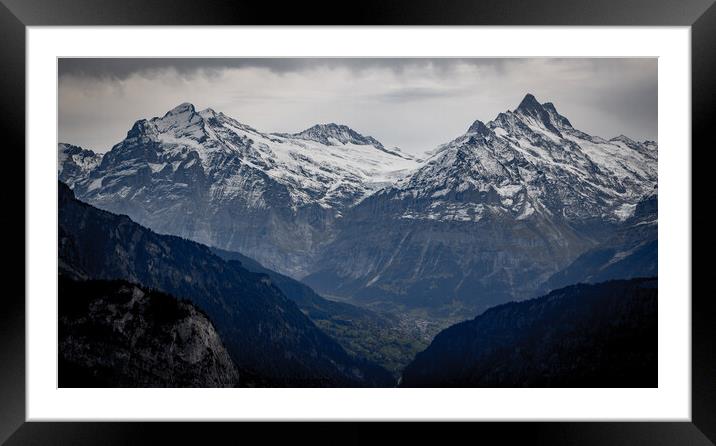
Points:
(413, 103)
(122, 68)
(400, 95)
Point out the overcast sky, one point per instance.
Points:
(415, 104)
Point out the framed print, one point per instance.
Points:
(230, 222)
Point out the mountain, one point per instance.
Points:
(602, 335)
(266, 334)
(633, 251)
(533, 160)
(116, 334)
(383, 338)
(205, 176)
(489, 216)
(75, 163)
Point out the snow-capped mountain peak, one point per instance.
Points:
(333, 134)
(184, 107)
(531, 159)
(182, 121)
(327, 164)
(544, 116)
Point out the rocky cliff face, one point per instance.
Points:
(116, 334)
(449, 268)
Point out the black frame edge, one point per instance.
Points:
(703, 308)
(324, 433)
(365, 12)
(19, 14)
(12, 315)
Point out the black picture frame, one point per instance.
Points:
(16, 15)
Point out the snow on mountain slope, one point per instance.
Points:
(532, 159)
(337, 163)
(205, 176)
(328, 164)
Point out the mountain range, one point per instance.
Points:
(486, 218)
(199, 251)
(205, 176)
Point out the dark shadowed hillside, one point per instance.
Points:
(265, 333)
(602, 335)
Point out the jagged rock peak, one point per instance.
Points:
(529, 102)
(479, 127)
(549, 107)
(545, 113)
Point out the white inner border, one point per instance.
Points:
(670, 401)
